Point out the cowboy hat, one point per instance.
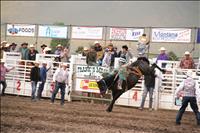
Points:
(43, 45)
(37, 62)
(64, 64)
(7, 45)
(144, 39)
(24, 44)
(96, 42)
(85, 48)
(13, 44)
(162, 49)
(32, 46)
(59, 45)
(3, 42)
(187, 53)
(44, 62)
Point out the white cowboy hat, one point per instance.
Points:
(32, 46)
(59, 45)
(3, 61)
(143, 39)
(162, 49)
(7, 45)
(3, 42)
(85, 48)
(96, 42)
(37, 62)
(189, 73)
(47, 49)
(64, 64)
(187, 53)
(44, 62)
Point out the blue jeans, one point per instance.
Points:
(193, 104)
(62, 92)
(40, 89)
(33, 85)
(144, 95)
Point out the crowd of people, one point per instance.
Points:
(96, 55)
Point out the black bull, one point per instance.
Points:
(110, 82)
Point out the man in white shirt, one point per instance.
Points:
(60, 78)
(190, 91)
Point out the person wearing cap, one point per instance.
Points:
(3, 71)
(59, 49)
(162, 56)
(47, 50)
(32, 53)
(13, 47)
(43, 46)
(190, 92)
(60, 78)
(142, 45)
(85, 51)
(43, 77)
(187, 62)
(34, 77)
(24, 51)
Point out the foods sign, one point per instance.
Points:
(52, 31)
(171, 35)
(125, 33)
(20, 30)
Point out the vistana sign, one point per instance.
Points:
(171, 35)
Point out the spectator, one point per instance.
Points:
(59, 49)
(65, 55)
(142, 45)
(6, 48)
(187, 62)
(35, 77)
(162, 56)
(106, 62)
(47, 50)
(125, 53)
(85, 51)
(43, 46)
(99, 50)
(91, 58)
(3, 72)
(60, 78)
(43, 76)
(24, 51)
(191, 93)
(13, 47)
(32, 53)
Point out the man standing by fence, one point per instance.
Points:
(3, 72)
(60, 78)
(35, 77)
(43, 76)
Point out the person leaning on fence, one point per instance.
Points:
(24, 51)
(187, 62)
(162, 56)
(60, 78)
(13, 47)
(43, 46)
(32, 52)
(3, 72)
(35, 77)
(190, 91)
(43, 76)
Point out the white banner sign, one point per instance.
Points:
(171, 35)
(20, 30)
(87, 32)
(52, 31)
(125, 33)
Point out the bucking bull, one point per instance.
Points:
(134, 72)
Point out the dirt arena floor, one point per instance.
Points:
(20, 115)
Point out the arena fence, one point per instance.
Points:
(82, 81)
